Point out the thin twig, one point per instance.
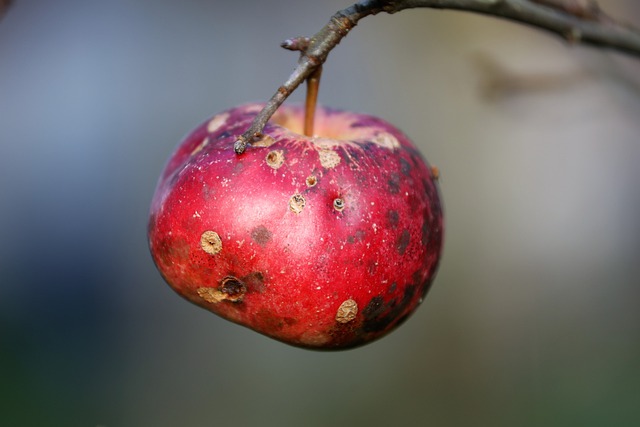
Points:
(576, 21)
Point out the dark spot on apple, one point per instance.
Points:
(393, 217)
(290, 321)
(355, 157)
(393, 287)
(426, 233)
(374, 308)
(403, 241)
(379, 315)
(233, 287)
(254, 281)
(409, 292)
(405, 167)
(223, 135)
(357, 237)
(338, 204)
(432, 195)
(342, 333)
(272, 321)
(347, 157)
(207, 192)
(394, 183)
(261, 235)
(359, 124)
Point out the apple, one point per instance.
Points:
(322, 242)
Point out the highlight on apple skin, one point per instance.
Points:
(323, 242)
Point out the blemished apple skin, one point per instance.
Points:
(324, 242)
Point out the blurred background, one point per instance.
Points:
(534, 318)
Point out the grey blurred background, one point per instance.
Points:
(534, 319)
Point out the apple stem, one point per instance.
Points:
(313, 84)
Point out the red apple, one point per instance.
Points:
(324, 242)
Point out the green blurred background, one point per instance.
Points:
(534, 318)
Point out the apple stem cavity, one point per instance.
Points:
(573, 21)
(313, 85)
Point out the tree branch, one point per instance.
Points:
(578, 21)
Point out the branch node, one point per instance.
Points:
(341, 24)
(240, 145)
(282, 90)
(314, 61)
(296, 44)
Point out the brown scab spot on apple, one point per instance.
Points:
(210, 242)
(264, 141)
(328, 158)
(338, 204)
(275, 159)
(297, 203)
(216, 122)
(200, 146)
(230, 289)
(254, 281)
(347, 311)
(233, 288)
(403, 241)
(261, 235)
(311, 181)
(386, 140)
(211, 295)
